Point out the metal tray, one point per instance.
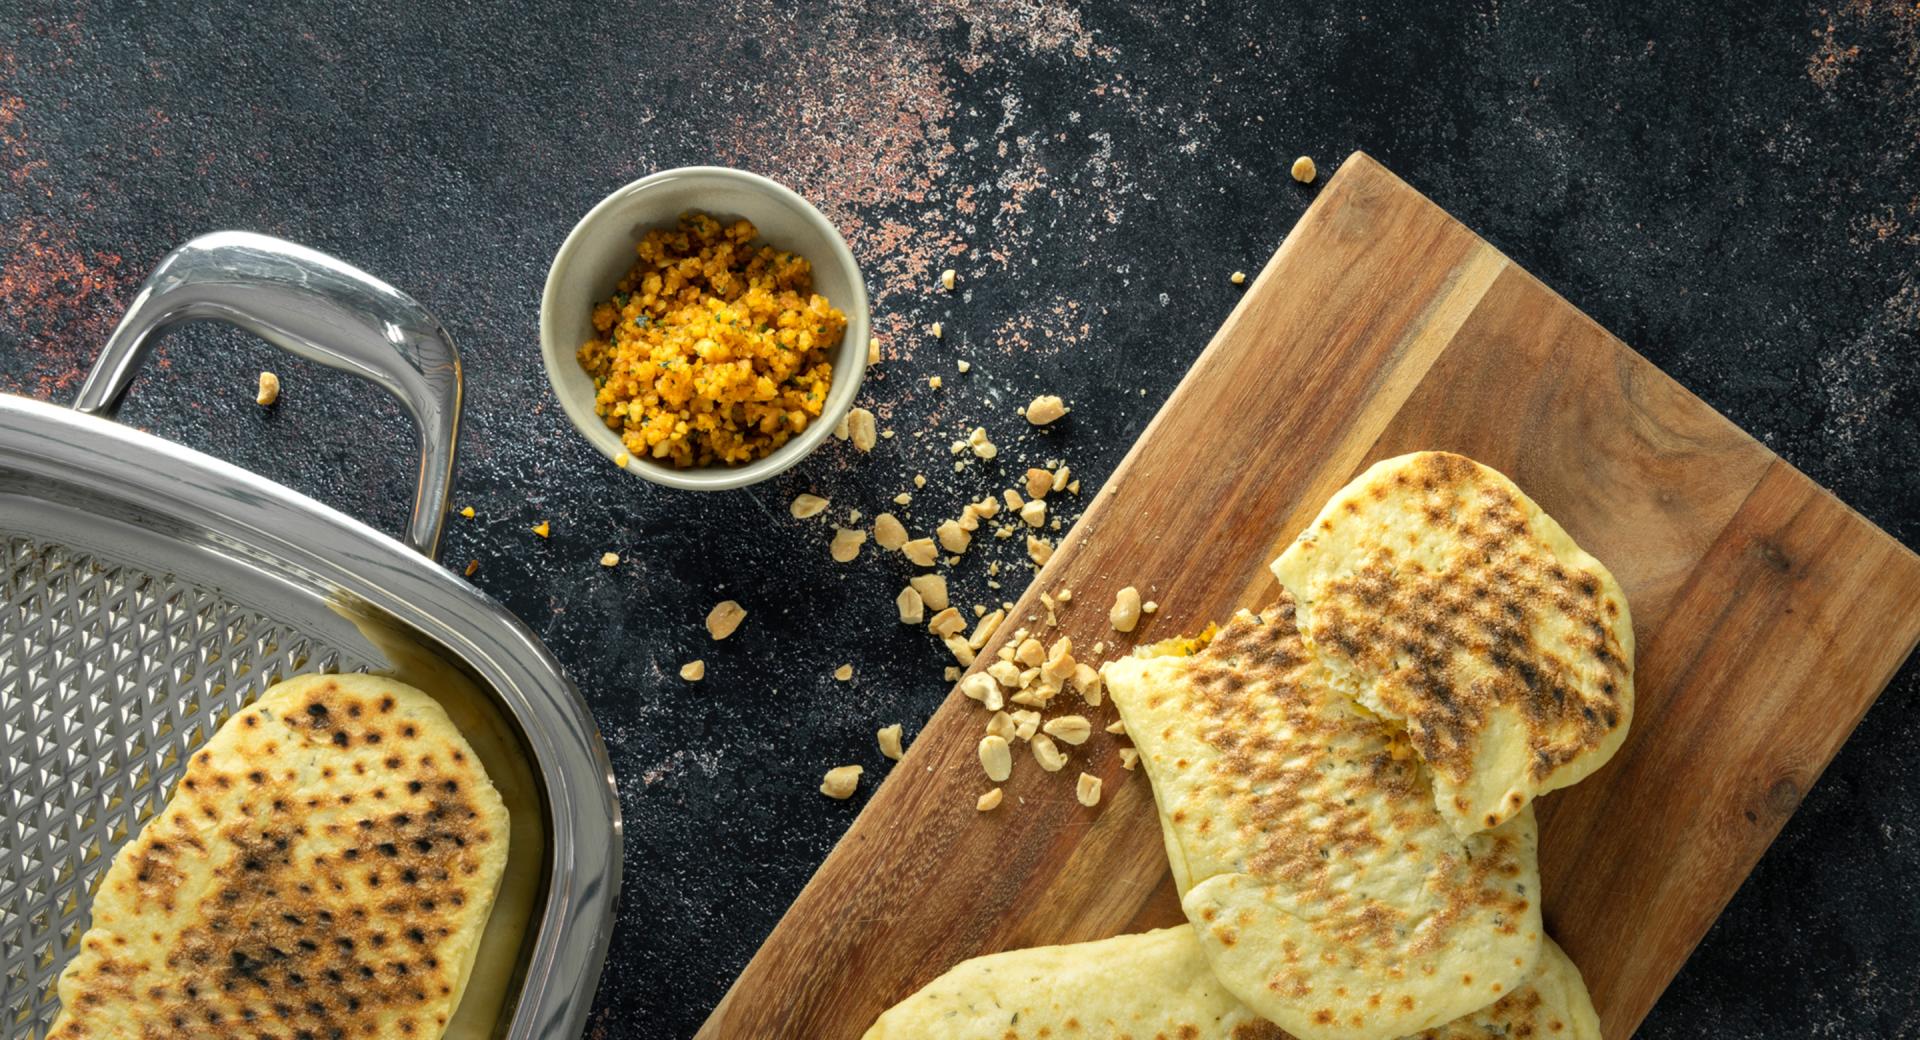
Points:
(148, 591)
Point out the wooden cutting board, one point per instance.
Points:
(1769, 616)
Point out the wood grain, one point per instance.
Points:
(1768, 615)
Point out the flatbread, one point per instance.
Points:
(1327, 893)
(1444, 598)
(1139, 987)
(324, 869)
(1157, 985)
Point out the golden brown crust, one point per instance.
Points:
(317, 874)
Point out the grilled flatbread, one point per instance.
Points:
(324, 869)
(1444, 598)
(1157, 985)
(1327, 893)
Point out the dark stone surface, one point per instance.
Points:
(1735, 192)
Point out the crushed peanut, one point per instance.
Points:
(1074, 729)
(1045, 409)
(953, 537)
(860, 427)
(1031, 653)
(1046, 752)
(724, 618)
(935, 330)
(1060, 477)
(947, 278)
(1303, 170)
(1006, 673)
(960, 650)
(921, 551)
(902, 499)
(888, 532)
(269, 390)
(841, 781)
(873, 350)
(1034, 513)
(693, 671)
(888, 738)
(996, 758)
(843, 673)
(981, 687)
(1126, 609)
(1238, 278)
(1087, 790)
(805, 507)
(947, 622)
(1129, 757)
(846, 544)
(622, 459)
(1149, 607)
(912, 608)
(1117, 728)
(919, 480)
(610, 559)
(1026, 723)
(935, 382)
(989, 802)
(932, 589)
(466, 511)
(982, 447)
(1001, 725)
(963, 365)
(543, 529)
(1039, 550)
(1089, 682)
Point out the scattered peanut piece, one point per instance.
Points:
(932, 589)
(953, 537)
(693, 671)
(1117, 727)
(935, 330)
(960, 650)
(1039, 482)
(911, 606)
(1045, 409)
(1060, 478)
(947, 278)
(981, 687)
(1303, 170)
(1001, 725)
(1039, 550)
(724, 618)
(1031, 653)
(1006, 673)
(902, 499)
(1126, 609)
(1088, 681)
(981, 445)
(1034, 513)
(543, 529)
(888, 738)
(963, 365)
(1026, 723)
(840, 431)
(269, 391)
(860, 426)
(935, 382)
(466, 511)
(1087, 790)
(846, 544)
(996, 758)
(873, 350)
(843, 673)
(919, 480)
(841, 781)
(622, 459)
(473, 567)
(888, 532)
(947, 622)
(1046, 752)
(610, 559)
(1238, 278)
(805, 507)
(921, 551)
(1149, 607)
(1074, 729)
(984, 630)
(989, 802)
(1129, 757)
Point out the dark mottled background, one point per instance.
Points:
(1735, 192)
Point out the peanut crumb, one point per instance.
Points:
(902, 499)
(1303, 170)
(989, 802)
(724, 618)
(1129, 757)
(843, 673)
(963, 365)
(982, 446)
(1238, 278)
(543, 529)
(947, 278)
(912, 608)
(473, 567)
(860, 426)
(841, 781)
(888, 737)
(919, 480)
(622, 459)
(1039, 550)
(610, 559)
(946, 623)
(873, 350)
(1046, 752)
(1126, 609)
(846, 544)
(935, 330)
(996, 758)
(1034, 513)
(1039, 482)
(1087, 790)
(1117, 728)
(935, 382)
(888, 532)
(693, 671)
(269, 390)
(1149, 607)
(467, 511)
(932, 589)
(1045, 409)
(921, 551)
(806, 507)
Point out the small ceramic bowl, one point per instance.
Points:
(599, 252)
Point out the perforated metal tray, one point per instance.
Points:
(148, 591)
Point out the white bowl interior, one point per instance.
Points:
(600, 250)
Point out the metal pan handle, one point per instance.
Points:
(312, 305)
